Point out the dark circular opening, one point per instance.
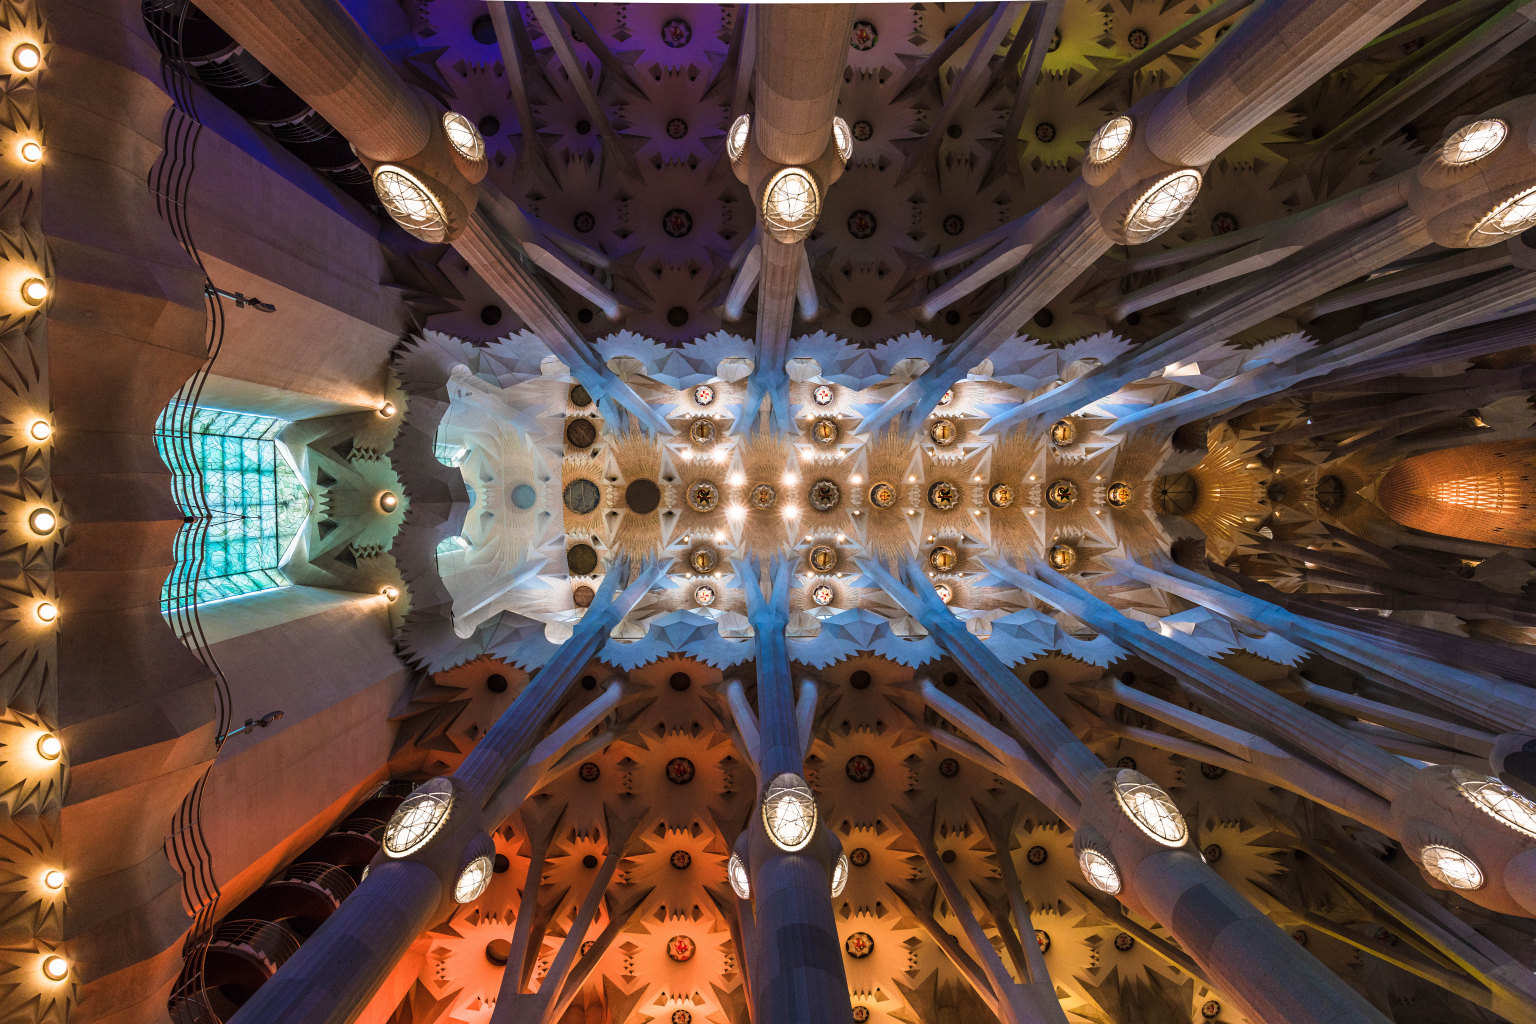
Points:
(589, 861)
(484, 32)
(581, 433)
(948, 856)
(642, 496)
(581, 560)
(497, 951)
(490, 316)
(581, 497)
(584, 315)
(523, 496)
(490, 125)
(951, 318)
(579, 397)
(1044, 318)
(501, 864)
(582, 596)
(954, 131)
(1045, 131)
(583, 127)
(1039, 679)
(859, 680)
(589, 682)
(679, 681)
(1127, 678)
(1133, 318)
(677, 316)
(861, 316)
(496, 682)
(950, 678)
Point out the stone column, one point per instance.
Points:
(1245, 954)
(797, 974)
(335, 972)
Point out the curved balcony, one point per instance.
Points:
(305, 893)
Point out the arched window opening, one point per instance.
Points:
(231, 473)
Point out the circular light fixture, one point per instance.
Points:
(1118, 494)
(762, 496)
(1063, 433)
(33, 291)
(40, 430)
(1161, 205)
(702, 431)
(53, 878)
(55, 967)
(46, 611)
(882, 495)
(703, 496)
(419, 817)
(702, 559)
(27, 57)
(842, 136)
(703, 395)
(943, 495)
(789, 812)
(465, 139)
(736, 871)
(49, 747)
(1062, 557)
(387, 409)
(31, 151)
(704, 595)
(945, 593)
(1509, 218)
(1452, 867)
(944, 433)
(1099, 870)
(791, 204)
(1474, 141)
(942, 558)
(1512, 808)
(473, 880)
(411, 203)
(43, 521)
(1152, 809)
(1110, 140)
(389, 593)
(825, 431)
(1060, 494)
(823, 495)
(840, 875)
(1000, 496)
(823, 558)
(388, 501)
(823, 394)
(822, 594)
(736, 142)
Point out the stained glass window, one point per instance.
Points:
(230, 470)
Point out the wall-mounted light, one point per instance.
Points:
(40, 430)
(33, 291)
(387, 409)
(53, 878)
(46, 611)
(27, 57)
(473, 880)
(49, 747)
(839, 875)
(388, 501)
(31, 151)
(55, 967)
(736, 871)
(390, 593)
(43, 521)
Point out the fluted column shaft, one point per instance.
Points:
(801, 52)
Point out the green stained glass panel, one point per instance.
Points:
(230, 472)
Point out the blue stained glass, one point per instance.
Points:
(229, 473)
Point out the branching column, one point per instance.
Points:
(339, 968)
(797, 972)
(1169, 882)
